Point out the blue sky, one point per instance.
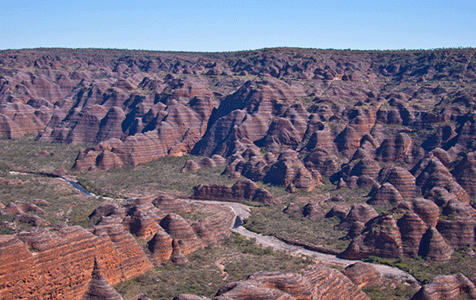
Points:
(186, 25)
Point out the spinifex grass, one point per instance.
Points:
(320, 231)
(162, 174)
(34, 156)
(66, 204)
(240, 257)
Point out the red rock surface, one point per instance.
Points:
(317, 282)
(283, 116)
(242, 190)
(358, 213)
(402, 180)
(58, 263)
(427, 210)
(434, 247)
(386, 195)
(465, 173)
(381, 237)
(99, 288)
(179, 229)
(432, 173)
(447, 287)
(161, 246)
(363, 275)
(62, 263)
(339, 211)
(412, 228)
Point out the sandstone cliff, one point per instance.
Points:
(317, 282)
(71, 262)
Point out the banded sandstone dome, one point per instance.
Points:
(400, 123)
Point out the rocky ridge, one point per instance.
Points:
(332, 107)
(399, 123)
(71, 262)
(317, 282)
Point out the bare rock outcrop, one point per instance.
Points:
(248, 113)
(412, 228)
(432, 173)
(363, 275)
(243, 190)
(19, 119)
(206, 162)
(293, 210)
(339, 211)
(167, 204)
(394, 149)
(289, 170)
(60, 262)
(402, 180)
(179, 229)
(161, 246)
(386, 195)
(99, 288)
(142, 223)
(317, 282)
(63, 262)
(365, 167)
(358, 213)
(465, 173)
(177, 257)
(427, 210)
(134, 261)
(457, 232)
(457, 223)
(447, 287)
(381, 237)
(434, 247)
(313, 211)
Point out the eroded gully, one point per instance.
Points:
(242, 212)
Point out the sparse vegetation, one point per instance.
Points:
(321, 231)
(402, 291)
(34, 156)
(162, 174)
(424, 271)
(428, 95)
(239, 256)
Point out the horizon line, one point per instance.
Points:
(245, 50)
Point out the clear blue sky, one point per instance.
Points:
(231, 25)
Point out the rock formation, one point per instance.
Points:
(358, 213)
(412, 228)
(161, 246)
(402, 180)
(434, 247)
(205, 162)
(447, 287)
(465, 173)
(381, 237)
(179, 229)
(64, 262)
(99, 288)
(427, 210)
(386, 195)
(385, 121)
(339, 211)
(243, 190)
(363, 275)
(317, 282)
(432, 173)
